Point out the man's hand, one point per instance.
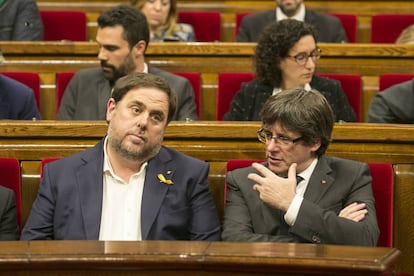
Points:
(354, 211)
(274, 190)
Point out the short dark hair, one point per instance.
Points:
(274, 43)
(132, 21)
(304, 111)
(137, 80)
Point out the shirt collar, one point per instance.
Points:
(300, 16)
(306, 174)
(107, 167)
(278, 89)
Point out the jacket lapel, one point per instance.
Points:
(90, 186)
(310, 17)
(154, 189)
(320, 181)
(270, 216)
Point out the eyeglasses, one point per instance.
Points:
(302, 58)
(265, 136)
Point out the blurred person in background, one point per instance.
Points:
(17, 101)
(162, 20)
(406, 36)
(20, 20)
(393, 105)
(9, 228)
(329, 28)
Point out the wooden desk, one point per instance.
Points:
(191, 258)
(217, 142)
(209, 59)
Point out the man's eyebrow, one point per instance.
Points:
(158, 112)
(136, 102)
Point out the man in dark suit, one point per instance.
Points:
(123, 38)
(329, 28)
(128, 186)
(9, 228)
(331, 202)
(393, 105)
(20, 20)
(17, 101)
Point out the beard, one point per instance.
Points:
(290, 10)
(130, 152)
(113, 74)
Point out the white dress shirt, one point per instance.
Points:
(293, 210)
(300, 16)
(121, 204)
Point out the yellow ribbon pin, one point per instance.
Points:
(163, 180)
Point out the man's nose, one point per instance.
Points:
(273, 144)
(102, 55)
(142, 120)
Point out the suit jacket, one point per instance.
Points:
(20, 20)
(9, 228)
(247, 103)
(87, 94)
(69, 201)
(329, 28)
(334, 184)
(393, 105)
(17, 101)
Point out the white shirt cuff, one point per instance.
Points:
(293, 210)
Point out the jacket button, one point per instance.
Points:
(316, 239)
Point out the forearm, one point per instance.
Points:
(320, 225)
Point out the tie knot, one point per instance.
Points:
(298, 179)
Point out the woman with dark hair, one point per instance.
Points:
(285, 58)
(162, 20)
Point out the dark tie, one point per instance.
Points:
(284, 227)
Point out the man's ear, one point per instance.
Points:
(139, 48)
(110, 107)
(316, 144)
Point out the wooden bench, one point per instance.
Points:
(47, 58)
(217, 142)
(364, 9)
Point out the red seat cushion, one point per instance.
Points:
(228, 86)
(206, 24)
(195, 79)
(387, 80)
(352, 87)
(64, 25)
(30, 79)
(383, 189)
(385, 28)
